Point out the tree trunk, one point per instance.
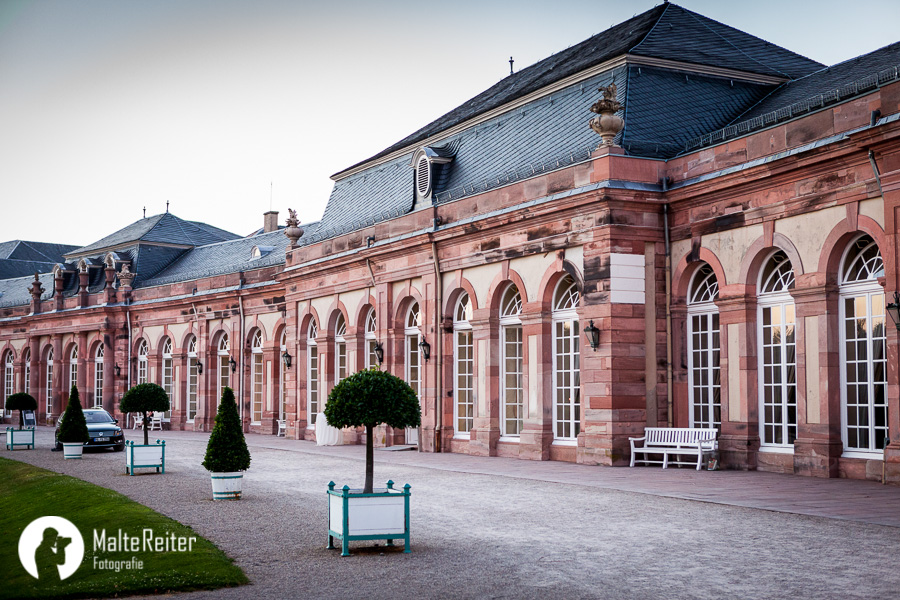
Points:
(370, 460)
(146, 426)
(21, 418)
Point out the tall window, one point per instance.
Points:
(863, 373)
(224, 359)
(312, 373)
(193, 379)
(371, 341)
(168, 375)
(48, 383)
(778, 354)
(8, 381)
(26, 358)
(257, 354)
(282, 383)
(340, 348)
(98, 376)
(566, 362)
(143, 353)
(412, 335)
(73, 367)
(703, 350)
(511, 356)
(463, 367)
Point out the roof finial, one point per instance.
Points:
(145, 212)
(511, 65)
(167, 206)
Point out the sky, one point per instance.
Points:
(227, 109)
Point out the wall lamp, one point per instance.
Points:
(426, 348)
(287, 358)
(592, 333)
(199, 368)
(893, 309)
(233, 364)
(118, 370)
(379, 352)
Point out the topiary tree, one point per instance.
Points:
(21, 402)
(368, 399)
(226, 451)
(73, 429)
(145, 398)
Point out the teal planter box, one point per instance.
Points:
(140, 456)
(20, 437)
(381, 515)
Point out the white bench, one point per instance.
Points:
(677, 441)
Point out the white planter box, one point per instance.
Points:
(20, 437)
(72, 450)
(227, 486)
(381, 515)
(138, 456)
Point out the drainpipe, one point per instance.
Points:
(669, 400)
(875, 170)
(439, 361)
(128, 364)
(240, 347)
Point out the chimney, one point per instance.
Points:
(270, 221)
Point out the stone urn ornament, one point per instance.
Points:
(607, 124)
(293, 230)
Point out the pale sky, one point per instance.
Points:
(110, 106)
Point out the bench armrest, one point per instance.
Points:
(637, 439)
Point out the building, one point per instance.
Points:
(722, 254)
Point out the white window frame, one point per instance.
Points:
(282, 374)
(371, 339)
(223, 355)
(48, 400)
(258, 382)
(863, 287)
(193, 382)
(776, 373)
(565, 302)
(512, 397)
(340, 349)
(9, 380)
(98, 376)
(464, 394)
(73, 367)
(142, 362)
(312, 374)
(168, 377)
(412, 334)
(703, 291)
(27, 360)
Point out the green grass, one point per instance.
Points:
(27, 492)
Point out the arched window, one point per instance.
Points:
(703, 350)
(98, 376)
(8, 381)
(168, 376)
(340, 348)
(48, 383)
(73, 367)
(143, 353)
(223, 355)
(257, 394)
(282, 382)
(412, 333)
(463, 368)
(193, 382)
(566, 362)
(777, 354)
(371, 340)
(511, 362)
(26, 358)
(312, 373)
(863, 349)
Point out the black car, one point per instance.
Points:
(102, 429)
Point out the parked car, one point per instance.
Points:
(103, 430)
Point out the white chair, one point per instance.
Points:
(282, 428)
(138, 421)
(156, 421)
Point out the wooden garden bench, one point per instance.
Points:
(677, 442)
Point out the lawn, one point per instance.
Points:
(27, 493)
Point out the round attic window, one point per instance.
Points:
(423, 176)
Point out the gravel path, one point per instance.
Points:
(481, 536)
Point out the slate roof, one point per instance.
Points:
(666, 31)
(224, 257)
(19, 258)
(165, 228)
(16, 291)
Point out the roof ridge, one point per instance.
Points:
(652, 29)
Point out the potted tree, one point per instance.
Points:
(145, 398)
(21, 436)
(227, 456)
(73, 431)
(368, 399)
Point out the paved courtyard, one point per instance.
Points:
(504, 528)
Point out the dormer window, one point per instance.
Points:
(260, 251)
(428, 163)
(423, 177)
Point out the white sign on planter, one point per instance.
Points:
(138, 456)
(381, 515)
